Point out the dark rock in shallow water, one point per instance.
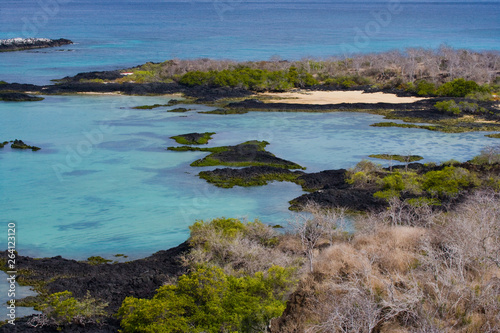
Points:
(18, 97)
(100, 75)
(20, 44)
(19, 144)
(249, 176)
(193, 138)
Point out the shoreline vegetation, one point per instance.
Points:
(453, 90)
(412, 247)
(251, 277)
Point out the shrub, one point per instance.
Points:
(396, 183)
(425, 88)
(447, 182)
(489, 155)
(239, 248)
(459, 88)
(62, 308)
(363, 174)
(208, 300)
(448, 106)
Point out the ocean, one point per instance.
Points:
(112, 34)
(126, 193)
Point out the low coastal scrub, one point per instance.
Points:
(394, 277)
(236, 283)
(424, 72)
(249, 78)
(62, 308)
(455, 108)
(431, 183)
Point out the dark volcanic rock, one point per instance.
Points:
(18, 97)
(353, 199)
(20, 44)
(251, 153)
(109, 282)
(19, 144)
(103, 75)
(324, 180)
(193, 138)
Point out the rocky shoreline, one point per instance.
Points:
(109, 282)
(22, 44)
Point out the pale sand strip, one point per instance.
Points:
(336, 97)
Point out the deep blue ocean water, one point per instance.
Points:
(115, 34)
(103, 182)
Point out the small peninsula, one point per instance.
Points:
(22, 44)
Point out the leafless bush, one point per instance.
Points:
(317, 224)
(413, 276)
(402, 212)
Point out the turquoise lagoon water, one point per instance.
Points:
(104, 184)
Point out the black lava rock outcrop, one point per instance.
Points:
(21, 44)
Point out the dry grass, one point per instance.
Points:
(441, 276)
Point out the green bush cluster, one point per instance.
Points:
(249, 78)
(451, 106)
(62, 308)
(455, 88)
(208, 300)
(447, 182)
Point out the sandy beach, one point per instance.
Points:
(336, 97)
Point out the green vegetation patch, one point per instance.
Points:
(250, 153)
(454, 126)
(225, 111)
(251, 176)
(154, 106)
(62, 309)
(97, 260)
(399, 158)
(209, 300)
(193, 138)
(393, 124)
(496, 135)
(179, 110)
